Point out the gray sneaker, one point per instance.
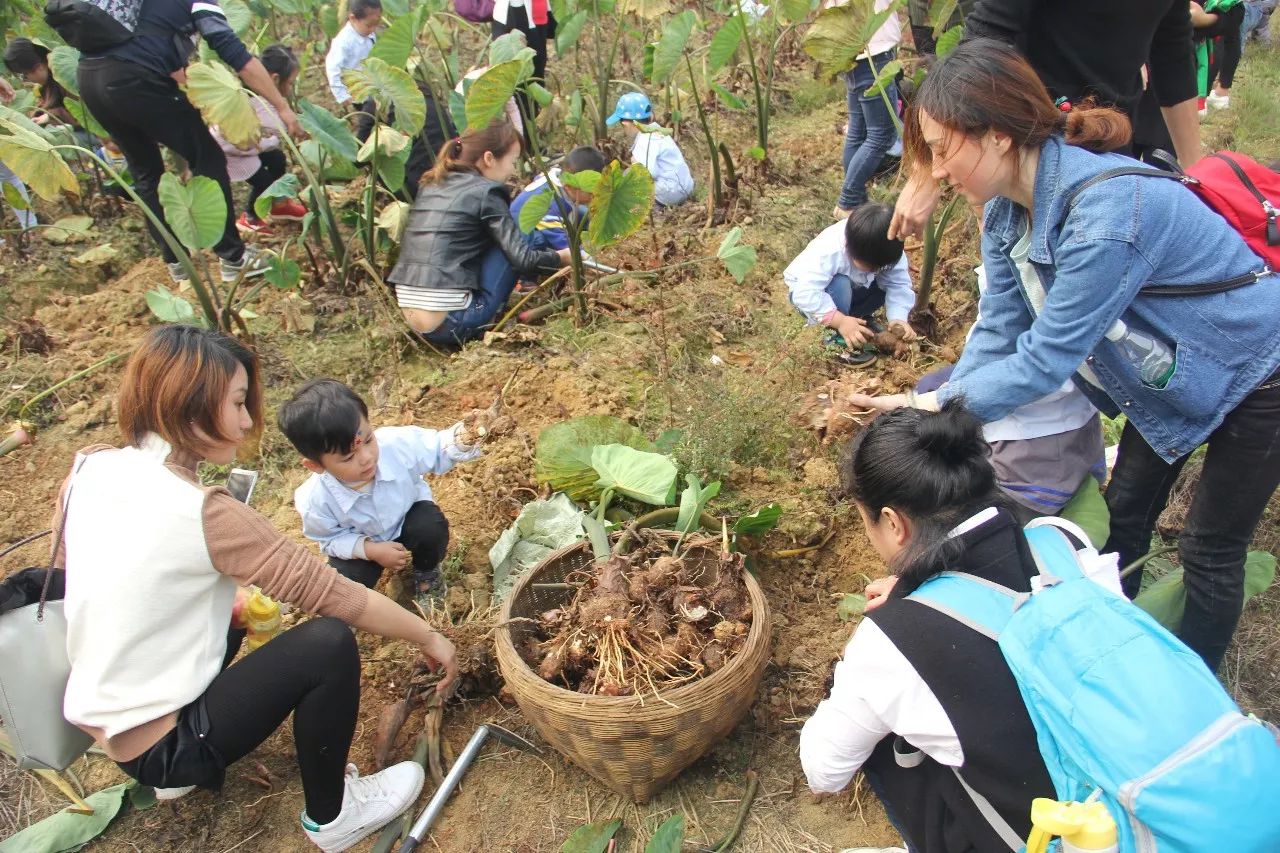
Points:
(177, 272)
(253, 262)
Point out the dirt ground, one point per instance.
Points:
(647, 356)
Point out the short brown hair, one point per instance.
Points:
(175, 382)
(461, 153)
(986, 85)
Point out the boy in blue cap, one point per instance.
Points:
(654, 148)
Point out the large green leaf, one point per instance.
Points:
(670, 836)
(670, 50)
(949, 40)
(33, 159)
(568, 33)
(392, 169)
(393, 218)
(620, 205)
(63, 62)
(851, 605)
(1088, 509)
(387, 140)
(723, 44)
(727, 98)
(885, 75)
(761, 521)
(488, 96)
(737, 257)
(84, 118)
(335, 168)
(1166, 599)
(591, 837)
(221, 100)
(840, 33)
(285, 186)
(171, 308)
(389, 85)
(68, 830)
(534, 209)
(638, 474)
(793, 11)
(940, 14)
(328, 130)
(509, 46)
(693, 500)
(562, 459)
(395, 43)
(238, 16)
(196, 211)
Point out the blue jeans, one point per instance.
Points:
(859, 302)
(871, 129)
(497, 280)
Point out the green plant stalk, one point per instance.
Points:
(929, 260)
(731, 172)
(717, 187)
(762, 105)
(513, 311)
(606, 498)
(369, 230)
(884, 96)
(64, 382)
(1137, 564)
(320, 198)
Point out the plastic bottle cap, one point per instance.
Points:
(1116, 330)
(260, 606)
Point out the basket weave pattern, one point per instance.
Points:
(632, 744)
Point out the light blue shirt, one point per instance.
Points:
(659, 153)
(348, 49)
(341, 518)
(809, 275)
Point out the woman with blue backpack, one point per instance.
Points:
(1132, 287)
(998, 666)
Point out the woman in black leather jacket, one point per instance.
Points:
(462, 251)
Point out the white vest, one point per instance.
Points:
(147, 613)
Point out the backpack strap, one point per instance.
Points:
(975, 602)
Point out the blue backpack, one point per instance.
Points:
(1123, 710)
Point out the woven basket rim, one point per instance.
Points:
(755, 635)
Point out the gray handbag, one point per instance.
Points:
(34, 667)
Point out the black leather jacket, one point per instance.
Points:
(452, 225)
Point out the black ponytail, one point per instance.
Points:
(932, 467)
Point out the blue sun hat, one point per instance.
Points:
(633, 106)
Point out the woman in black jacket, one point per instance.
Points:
(462, 250)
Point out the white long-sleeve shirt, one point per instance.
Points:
(658, 152)
(876, 691)
(825, 257)
(348, 49)
(341, 518)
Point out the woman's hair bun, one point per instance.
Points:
(952, 436)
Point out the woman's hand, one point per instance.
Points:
(915, 206)
(877, 592)
(883, 403)
(908, 333)
(6, 92)
(440, 653)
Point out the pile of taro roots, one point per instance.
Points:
(642, 622)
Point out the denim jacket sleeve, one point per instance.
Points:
(1096, 276)
(495, 211)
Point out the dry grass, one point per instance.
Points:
(24, 800)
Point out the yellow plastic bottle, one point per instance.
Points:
(261, 618)
(1084, 827)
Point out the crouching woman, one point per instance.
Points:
(153, 561)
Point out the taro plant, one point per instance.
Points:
(841, 33)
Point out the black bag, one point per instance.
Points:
(94, 26)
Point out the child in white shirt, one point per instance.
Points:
(654, 148)
(349, 49)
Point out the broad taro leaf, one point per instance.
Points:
(195, 211)
(563, 455)
(285, 186)
(221, 100)
(329, 131)
(14, 197)
(534, 209)
(395, 43)
(586, 180)
(670, 836)
(939, 15)
(392, 219)
(395, 8)
(839, 34)
(171, 308)
(727, 98)
(512, 45)
(949, 40)
(1088, 509)
(794, 11)
(387, 140)
(638, 474)
(540, 94)
(238, 15)
(84, 118)
(759, 522)
(620, 205)
(488, 96)
(33, 159)
(282, 273)
(693, 500)
(70, 830)
(851, 605)
(63, 62)
(389, 86)
(591, 837)
(885, 75)
(568, 33)
(670, 49)
(723, 44)
(1165, 600)
(650, 10)
(737, 257)
(335, 168)
(392, 169)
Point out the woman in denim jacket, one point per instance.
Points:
(1062, 271)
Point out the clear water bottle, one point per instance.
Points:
(1155, 361)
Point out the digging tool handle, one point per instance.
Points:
(441, 796)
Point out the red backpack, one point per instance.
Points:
(1238, 188)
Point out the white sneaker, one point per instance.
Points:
(173, 793)
(253, 262)
(177, 272)
(368, 804)
(1216, 101)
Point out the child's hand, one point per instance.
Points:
(854, 331)
(389, 555)
(564, 254)
(908, 333)
(482, 424)
(877, 592)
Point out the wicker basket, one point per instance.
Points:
(632, 744)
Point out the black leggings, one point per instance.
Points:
(273, 167)
(536, 36)
(1226, 54)
(143, 110)
(311, 671)
(425, 533)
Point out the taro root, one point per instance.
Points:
(728, 595)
